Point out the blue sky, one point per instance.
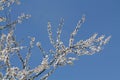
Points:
(102, 16)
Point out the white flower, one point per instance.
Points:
(38, 44)
(69, 62)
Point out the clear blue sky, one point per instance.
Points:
(102, 16)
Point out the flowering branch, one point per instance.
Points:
(51, 60)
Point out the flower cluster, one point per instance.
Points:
(42, 66)
(7, 3)
(22, 17)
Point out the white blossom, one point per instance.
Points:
(38, 44)
(42, 66)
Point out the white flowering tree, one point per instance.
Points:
(51, 60)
